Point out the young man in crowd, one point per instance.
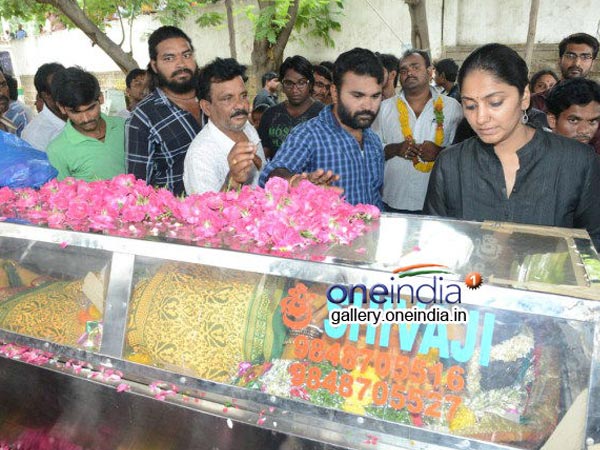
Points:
(163, 124)
(136, 88)
(50, 121)
(16, 113)
(227, 153)
(297, 79)
(337, 147)
(574, 109)
(91, 146)
(407, 127)
(322, 86)
(576, 56)
(446, 71)
(390, 71)
(268, 94)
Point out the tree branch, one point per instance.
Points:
(284, 36)
(122, 26)
(71, 9)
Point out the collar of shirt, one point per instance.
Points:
(49, 116)
(75, 137)
(434, 95)
(222, 139)
(528, 155)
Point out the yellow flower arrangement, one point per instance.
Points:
(353, 404)
(404, 117)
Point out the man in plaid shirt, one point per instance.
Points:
(163, 125)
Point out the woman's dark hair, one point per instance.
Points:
(74, 87)
(217, 71)
(359, 61)
(299, 64)
(574, 91)
(499, 60)
(162, 34)
(539, 74)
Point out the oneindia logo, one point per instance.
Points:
(398, 301)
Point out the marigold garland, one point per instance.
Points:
(404, 117)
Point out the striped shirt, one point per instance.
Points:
(322, 143)
(157, 137)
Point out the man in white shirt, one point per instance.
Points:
(227, 153)
(50, 121)
(408, 127)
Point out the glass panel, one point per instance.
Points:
(53, 292)
(500, 376)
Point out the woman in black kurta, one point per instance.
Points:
(510, 171)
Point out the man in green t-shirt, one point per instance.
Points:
(92, 145)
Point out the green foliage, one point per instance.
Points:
(315, 17)
(210, 19)
(24, 10)
(318, 18)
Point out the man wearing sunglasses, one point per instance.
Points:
(297, 79)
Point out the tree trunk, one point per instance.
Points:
(266, 57)
(71, 9)
(231, 28)
(419, 35)
(533, 13)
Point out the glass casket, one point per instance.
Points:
(112, 342)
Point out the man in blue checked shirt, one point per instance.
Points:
(163, 125)
(337, 147)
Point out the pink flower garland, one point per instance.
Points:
(277, 218)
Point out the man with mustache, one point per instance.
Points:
(576, 55)
(337, 147)
(407, 125)
(91, 145)
(163, 125)
(227, 153)
(574, 109)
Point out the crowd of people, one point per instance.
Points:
(483, 141)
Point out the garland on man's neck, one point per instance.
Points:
(404, 117)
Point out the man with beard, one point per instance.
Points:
(574, 109)
(337, 147)
(163, 125)
(50, 121)
(297, 79)
(92, 145)
(227, 153)
(414, 126)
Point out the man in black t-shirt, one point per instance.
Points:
(297, 78)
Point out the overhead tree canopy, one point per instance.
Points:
(273, 21)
